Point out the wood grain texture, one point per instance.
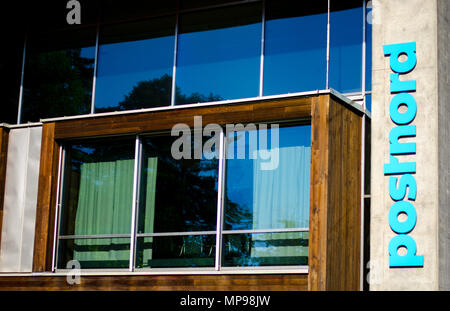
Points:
(344, 199)
(46, 200)
(317, 251)
(335, 216)
(254, 282)
(260, 111)
(4, 135)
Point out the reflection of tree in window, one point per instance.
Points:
(156, 93)
(57, 83)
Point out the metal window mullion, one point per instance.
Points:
(59, 191)
(19, 108)
(263, 37)
(94, 78)
(138, 193)
(168, 234)
(220, 200)
(363, 76)
(175, 54)
(93, 236)
(135, 202)
(256, 231)
(327, 85)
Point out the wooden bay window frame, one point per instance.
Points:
(335, 204)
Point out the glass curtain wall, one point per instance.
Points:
(181, 220)
(295, 50)
(201, 52)
(59, 72)
(135, 62)
(218, 54)
(346, 42)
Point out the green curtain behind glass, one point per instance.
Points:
(104, 207)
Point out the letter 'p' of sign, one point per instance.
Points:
(403, 203)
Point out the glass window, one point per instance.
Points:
(104, 253)
(10, 73)
(265, 249)
(119, 10)
(369, 46)
(58, 74)
(177, 196)
(135, 65)
(267, 188)
(97, 201)
(295, 46)
(265, 212)
(176, 251)
(219, 54)
(346, 36)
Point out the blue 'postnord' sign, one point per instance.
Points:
(404, 179)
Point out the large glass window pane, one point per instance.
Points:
(119, 10)
(295, 46)
(135, 65)
(176, 251)
(219, 54)
(369, 22)
(176, 195)
(95, 253)
(98, 185)
(58, 75)
(346, 36)
(265, 249)
(10, 73)
(269, 191)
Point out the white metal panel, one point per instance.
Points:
(19, 210)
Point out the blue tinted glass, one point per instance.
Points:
(346, 35)
(219, 54)
(135, 65)
(295, 47)
(10, 73)
(261, 197)
(58, 75)
(369, 102)
(369, 49)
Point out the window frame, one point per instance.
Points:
(133, 236)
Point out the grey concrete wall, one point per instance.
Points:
(444, 142)
(399, 21)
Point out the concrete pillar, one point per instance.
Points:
(401, 21)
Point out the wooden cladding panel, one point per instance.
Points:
(344, 199)
(317, 259)
(335, 216)
(46, 200)
(166, 119)
(280, 282)
(3, 157)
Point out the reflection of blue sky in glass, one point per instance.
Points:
(239, 172)
(346, 50)
(224, 62)
(122, 65)
(295, 54)
(369, 49)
